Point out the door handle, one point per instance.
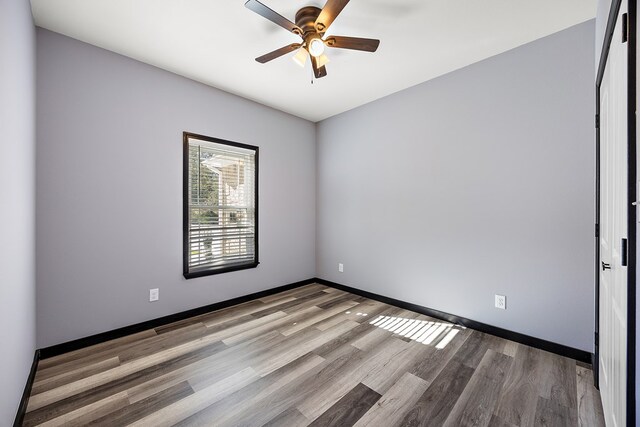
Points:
(605, 266)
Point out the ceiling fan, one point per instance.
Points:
(311, 24)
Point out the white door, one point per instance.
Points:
(613, 228)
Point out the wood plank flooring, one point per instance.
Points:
(312, 356)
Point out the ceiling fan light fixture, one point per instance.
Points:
(322, 60)
(316, 47)
(300, 57)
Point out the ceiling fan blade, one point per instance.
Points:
(355, 43)
(278, 53)
(272, 16)
(329, 13)
(319, 72)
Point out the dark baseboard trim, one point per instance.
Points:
(66, 347)
(595, 378)
(549, 346)
(22, 408)
(562, 350)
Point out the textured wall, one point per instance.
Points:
(476, 183)
(109, 190)
(17, 202)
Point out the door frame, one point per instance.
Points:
(631, 198)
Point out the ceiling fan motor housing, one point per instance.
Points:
(306, 20)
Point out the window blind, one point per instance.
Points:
(221, 206)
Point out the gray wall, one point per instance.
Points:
(109, 190)
(602, 15)
(17, 202)
(476, 183)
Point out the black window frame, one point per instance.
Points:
(185, 206)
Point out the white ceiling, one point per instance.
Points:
(215, 42)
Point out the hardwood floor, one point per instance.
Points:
(312, 356)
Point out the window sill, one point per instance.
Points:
(203, 273)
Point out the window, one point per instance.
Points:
(220, 204)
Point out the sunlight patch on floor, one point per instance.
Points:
(425, 332)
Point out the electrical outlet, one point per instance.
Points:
(501, 302)
(341, 267)
(154, 294)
